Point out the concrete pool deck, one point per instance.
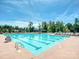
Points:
(68, 49)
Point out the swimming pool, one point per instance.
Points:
(37, 43)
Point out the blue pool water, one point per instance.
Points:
(36, 43)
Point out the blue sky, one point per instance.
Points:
(20, 12)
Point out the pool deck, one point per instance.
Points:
(68, 49)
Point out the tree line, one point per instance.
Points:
(50, 26)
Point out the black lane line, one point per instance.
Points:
(42, 42)
(52, 40)
(31, 45)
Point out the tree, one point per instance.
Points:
(59, 26)
(39, 28)
(30, 27)
(44, 27)
(66, 29)
(51, 26)
(76, 25)
(70, 27)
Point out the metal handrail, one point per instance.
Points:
(20, 44)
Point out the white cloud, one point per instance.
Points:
(18, 23)
(14, 23)
(47, 1)
(68, 18)
(18, 3)
(53, 2)
(64, 14)
(23, 6)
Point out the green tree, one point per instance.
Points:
(51, 26)
(76, 25)
(44, 27)
(30, 27)
(59, 26)
(66, 29)
(39, 28)
(70, 27)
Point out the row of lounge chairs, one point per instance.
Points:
(69, 34)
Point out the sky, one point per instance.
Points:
(20, 12)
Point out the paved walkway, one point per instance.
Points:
(65, 50)
(8, 51)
